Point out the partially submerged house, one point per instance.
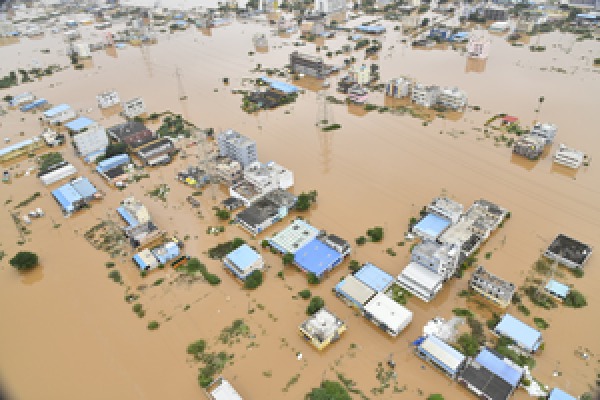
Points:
(557, 289)
(398, 88)
(59, 114)
(108, 99)
(322, 329)
(569, 157)
(243, 261)
(529, 146)
(431, 226)
(446, 208)
(259, 179)
(545, 131)
(524, 336)
(89, 138)
(133, 133)
(75, 195)
(19, 149)
(420, 281)
(317, 257)
(440, 354)
(113, 169)
(57, 173)
(492, 287)
(266, 211)
(134, 107)
(293, 237)
(309, 65)
(374, 277)
(568, 252)
(387, 314)
(559, 394)
(133, 212)
(221, 389)
(491, 376)
(158, 152)
(237, 147)
(354, 292)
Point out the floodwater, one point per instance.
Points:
(67, 323)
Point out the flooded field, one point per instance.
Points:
(68, 325)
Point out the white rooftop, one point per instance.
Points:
(355, 289)
(425, 277)
(294, 237)
(225, 392)
(387, 311)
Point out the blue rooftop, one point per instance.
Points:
(54, 111)
(524, 335)
(79, 124)
(558, 289)
(84, 187)
(499, 367)
(317, 257)
(586, 16)
(432, 225)
(130, 219)
(243, 257)
(558, 394)
(371, 28)
(67, 197)
(374, 277)
(166, 253)
(279, 85)
(112, 162)
(34, 104)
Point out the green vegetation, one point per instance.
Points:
(305, 294)
(468, 344)
(312, 279)
(24, 260)
(139, 310)
(196, 348)
(9, 80)
(194, 266)
(45, 161)
(305, 200)
(398, 294)
(221, 250)
(542, 266)
(502, 347)
(523, 309)
(223, 215)
(596, 62)
(153, 325)
(462, 312)
(175, 126)
(115, 276)
(354, 266)
(158, 282)
(539, 298)
(114, 149)
(28, 200)
(213, 365)
(329, 390)
(230, 333)
(576, 272)
(264, 243)
(287, 259)
(435, 396)
(316, 303)
(254, 280)
(540, 323)
(492, 322)
(361, 240)
(575, 299)
(375, 234)
(161, 192)
(331, 127)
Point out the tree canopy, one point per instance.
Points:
(254, 280)
(575, 299)
(329, 390)
(316, 303)
(24, 260)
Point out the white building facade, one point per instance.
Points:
(134, 107)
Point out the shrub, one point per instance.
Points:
(264, 244)
(196, 348)
(354, 266)
(153, 325)
(305, 294)
(137, 308)
(24, 260)
(212, 279)
(462, 312)
(376, 234)
(435, 396)
(115, 276)
(254, 280)
(223, 215)
(361, 240)
(577, 272)
(575, 299)
(312, 279)
(540, 323)
(523, 309)
(468, 344)
(316, 303)
(288, 259)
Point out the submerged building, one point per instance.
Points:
(491, 287)
(568, 252)
(309, 65)
(322, 329)
(237, 147)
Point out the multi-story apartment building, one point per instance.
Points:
(309, 65)
(424, 95)
(237, 147)
(398, 88)
(492, 287)
(330, 6)
(452, 98)
(441, 259)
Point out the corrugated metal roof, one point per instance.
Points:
(56, 110)
(316, 257)
(443, 352)
(559, 394)
(84, 187)
(243, 257)
(559, 289)
(67, 196)
(525, 336)
(78, 124)
(17, 146)
(355, 290)
(499, 367)
(374, 277)
(279, 85)
(112, 162)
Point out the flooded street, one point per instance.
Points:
(67, 325)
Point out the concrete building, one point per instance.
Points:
(478, 45)
(89, 138)
(447, 208)
(420, 281)
(113, 169)
(243, 261)
(82, 50)
(228, 171)
(360, 74)
(374, 277)
(545, 131)
(524, 336)
(108, 99)
(439, 258)
(134, 212)
(495, 13)
(340, 245)
(156, 153)
(398, 88)
(568, 252)
(52, 138)
(221, 389)
(322, 329)
(424, 95)
(57, 173)
(452, 98)
(237, 147)
(59, 114)
(133, 133)
(317, 258)
(269, 176)
(266, 211)
(492, 287)
(293, 237)
(568, 157)
(440, 354)
(587, 4)
(134, 107)
(354, 292)
(309, 65)
(388, 315)
(529, 146)
(491, 376)
(330, 6)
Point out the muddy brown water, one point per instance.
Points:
(67, 323)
